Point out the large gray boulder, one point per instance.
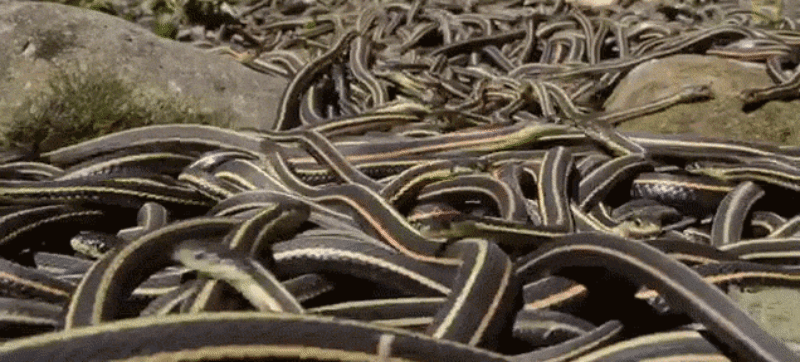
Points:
(723, 116)
(38, 39)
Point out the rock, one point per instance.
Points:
(38, 39)
(773, 308)
(723, 116)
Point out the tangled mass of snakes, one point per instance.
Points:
(440, 184)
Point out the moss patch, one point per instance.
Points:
(53, 43)
(80, 105)
(775, 122)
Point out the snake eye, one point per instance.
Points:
(200, 255)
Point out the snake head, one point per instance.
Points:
(697, 92)
(748, 96)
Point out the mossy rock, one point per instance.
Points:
(723, 116)
(42, 41)
(81, 105)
